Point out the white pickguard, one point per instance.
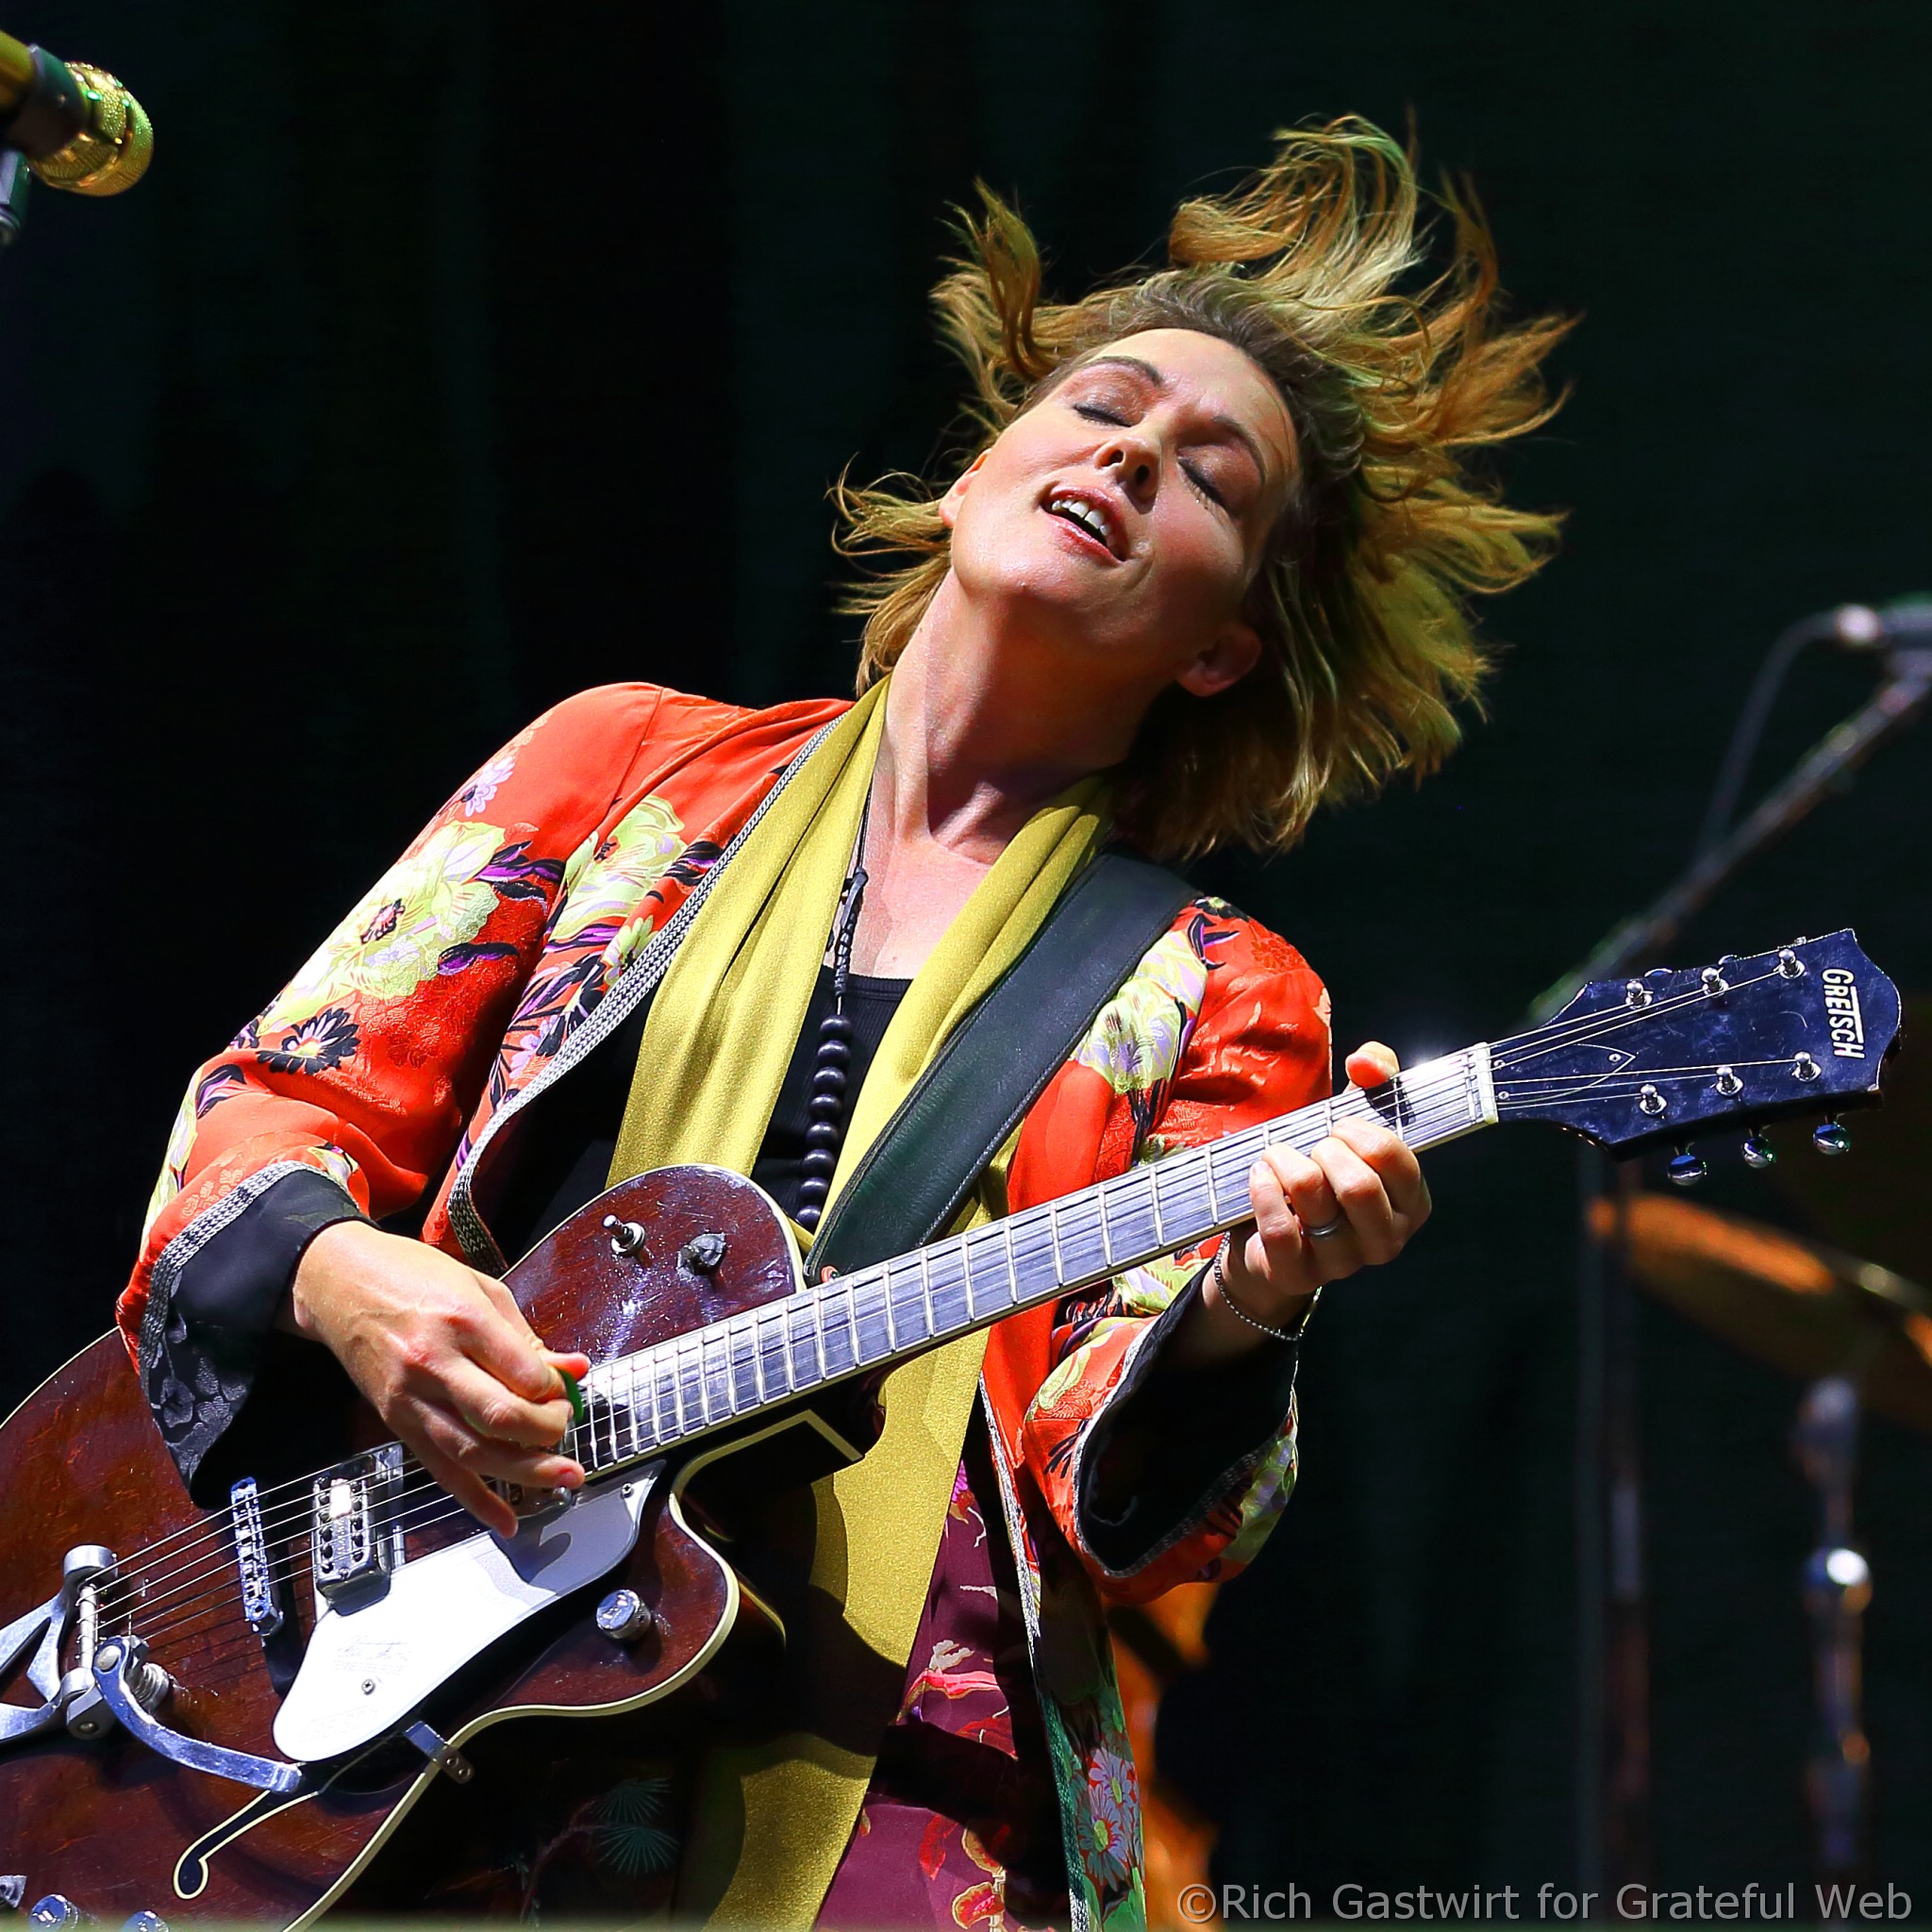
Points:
(368, 1668)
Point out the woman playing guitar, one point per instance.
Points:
(1207, 567)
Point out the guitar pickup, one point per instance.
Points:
(355, 1533)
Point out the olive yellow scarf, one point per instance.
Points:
(771, 1822)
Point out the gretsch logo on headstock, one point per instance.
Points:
(1842, 1014)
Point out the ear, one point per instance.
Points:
(1228, 659)
(950, 501)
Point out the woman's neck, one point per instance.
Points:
(975, 742)
(978, 737)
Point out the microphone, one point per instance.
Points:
(75, 126)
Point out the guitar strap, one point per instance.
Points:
(771, 1820)
(923, 1168)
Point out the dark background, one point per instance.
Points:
(454, 357)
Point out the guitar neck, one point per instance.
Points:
(641, 1405)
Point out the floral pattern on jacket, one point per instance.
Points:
(456, 983)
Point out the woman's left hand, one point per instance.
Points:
(1352, 1202)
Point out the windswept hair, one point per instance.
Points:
(1394, 382)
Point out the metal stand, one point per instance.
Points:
(1837, 1586)
(1614, 1648)
(1612, 1754)
(14, 178)
(1829, 762)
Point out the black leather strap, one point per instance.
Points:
(917, 1175)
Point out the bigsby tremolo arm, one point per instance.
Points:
(72, 1700)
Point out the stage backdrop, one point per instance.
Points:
(456, 355)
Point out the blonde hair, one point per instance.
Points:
(1361, 602)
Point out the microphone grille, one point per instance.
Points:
(113, 155)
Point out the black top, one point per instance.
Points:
(567, 1161)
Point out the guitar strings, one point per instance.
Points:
(1420, 1113)
(686, 1351)
(690, 1350)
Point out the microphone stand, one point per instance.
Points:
(14, 178)
(1891, 708)
(1613, 1740)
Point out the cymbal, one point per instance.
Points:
(1795, 1305)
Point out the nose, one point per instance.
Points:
(1136, 463)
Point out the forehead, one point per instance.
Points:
(1206, 372)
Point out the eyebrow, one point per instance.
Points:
(1159, 381)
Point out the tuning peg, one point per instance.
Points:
(1758, 1151)
(1686, 1169)
(1830, 1138)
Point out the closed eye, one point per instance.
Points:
(1204, 486)
(1095, 413)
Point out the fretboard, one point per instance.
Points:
(639, 1404)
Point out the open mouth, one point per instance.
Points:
(1092, 518)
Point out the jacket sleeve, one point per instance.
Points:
(1152, 1474)
(346, 1095)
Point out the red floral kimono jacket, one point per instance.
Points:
(453, 993)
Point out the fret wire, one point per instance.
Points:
(630, 1375)
(891, 1326)
(739, 1332)
(775, 1350)
(680, 1354)
(1105, 1238)
(1013, 1261)
(1154, 1196)
(691, 1388)
(818, 1337)
(1053, 1228)
(705, 1366)
(782, 1327)
(932, 1326)
(667, 1426)
(961, 1250)
(677, 1384)
(849, 1288)
(702, 1361)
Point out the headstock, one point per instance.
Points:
(1800, 1029)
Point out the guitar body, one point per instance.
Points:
(105, 1821)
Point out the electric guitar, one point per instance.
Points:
(225, 1713)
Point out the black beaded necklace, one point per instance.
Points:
(832, 1069)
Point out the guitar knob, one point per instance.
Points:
(55, 1909)
(1686, 1169)
(1758, 1151)
(12, 1890)
(1830, 1138)
(624, 1616)
(143, 1922)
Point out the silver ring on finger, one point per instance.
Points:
(1326, 1229)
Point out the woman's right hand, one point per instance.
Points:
(444, 1356)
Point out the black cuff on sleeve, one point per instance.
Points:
(221, 1315)
(1170, 1436)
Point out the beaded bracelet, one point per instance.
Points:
(1219, 1274)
